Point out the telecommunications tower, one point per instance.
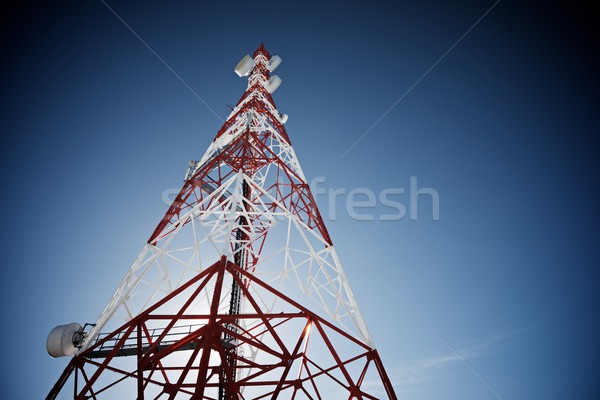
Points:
(238, 293)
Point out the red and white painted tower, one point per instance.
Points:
(239, 292)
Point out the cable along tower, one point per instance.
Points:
(238, 293)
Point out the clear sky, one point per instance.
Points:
(498, 299)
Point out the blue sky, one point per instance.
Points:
(495, 300)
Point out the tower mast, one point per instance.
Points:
(287, 326)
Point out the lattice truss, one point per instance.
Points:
(289, 354)
(245, 218)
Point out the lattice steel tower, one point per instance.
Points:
(239, 292)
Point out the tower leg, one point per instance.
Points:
(64, 377)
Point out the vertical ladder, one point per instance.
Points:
(234, 302)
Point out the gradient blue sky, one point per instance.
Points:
(505, 127)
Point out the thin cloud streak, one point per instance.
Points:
(409, 375)
(418, 316)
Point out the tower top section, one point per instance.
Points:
(261, 50)
(258, 69)
(256, 110)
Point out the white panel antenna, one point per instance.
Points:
(244, 67)
(273, 84)
(274, 63)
